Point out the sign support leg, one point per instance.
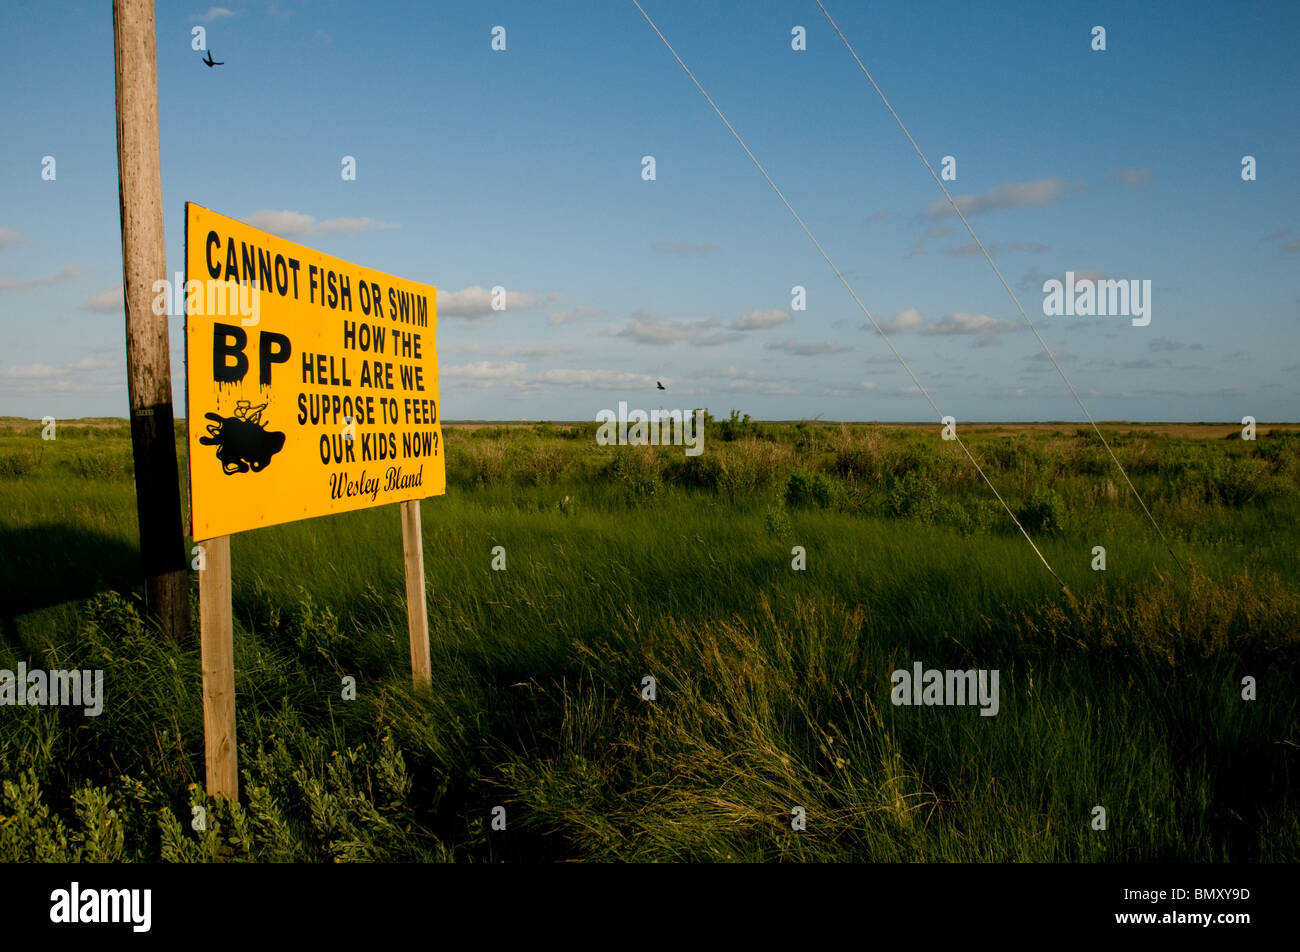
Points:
(217, 652)
(417, 610)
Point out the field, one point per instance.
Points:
(773, 685)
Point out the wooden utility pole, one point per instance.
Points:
(148, 358)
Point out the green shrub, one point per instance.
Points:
(541, 465)
(1043, 511)
(970, 516)
(857, 462)
(19, 463)
(481, 462)
(913, 495)
(316, 627)
(741, 475)
(103, 464)
(735, 427)
(636, 469)
(809, 489)
(777, 521)
(702, 472)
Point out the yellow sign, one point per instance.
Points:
(312, 383)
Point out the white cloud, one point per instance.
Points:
(109, 300)
(579, 313)
(597, 379)
(282, 222)
(7, 236)
(483, 374)
(962, 323)
(911, 319)
(537, 350)
(733, 381)
(31, 371)
(662, 331)
(1008, 195)
(288, 224)
(95, 363)
(808, 348)
(89, 374)
(905, 320)
(214, 13)
(475, 302)
(353, 224)
(66, 274)
(759, 320)
(852, 390)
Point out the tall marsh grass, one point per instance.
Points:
(773, 685)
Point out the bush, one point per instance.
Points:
(777, 520)
(809, 489)
(1232, 482)
(919, 460)
(1043, 511)
(479, 463)
(913, 496)
(103, 465)
(703, 471)
(741, 475)
(856, 462)
(637, 469)
(315, 627)
(541, 465)
(13, 465)
(810, 438)
(972, 515)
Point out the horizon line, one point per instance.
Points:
(912, 423)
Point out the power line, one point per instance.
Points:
(1050, 356)
(852, 292)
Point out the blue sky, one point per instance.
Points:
(522, 169)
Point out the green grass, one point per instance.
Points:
(773, 685)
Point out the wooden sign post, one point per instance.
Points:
(312, 389)
(217, 656)
(417, 607)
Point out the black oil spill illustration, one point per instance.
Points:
(242, 441)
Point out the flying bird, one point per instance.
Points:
(208, 59)
(660, 385)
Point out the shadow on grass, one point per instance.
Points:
(46, 565)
